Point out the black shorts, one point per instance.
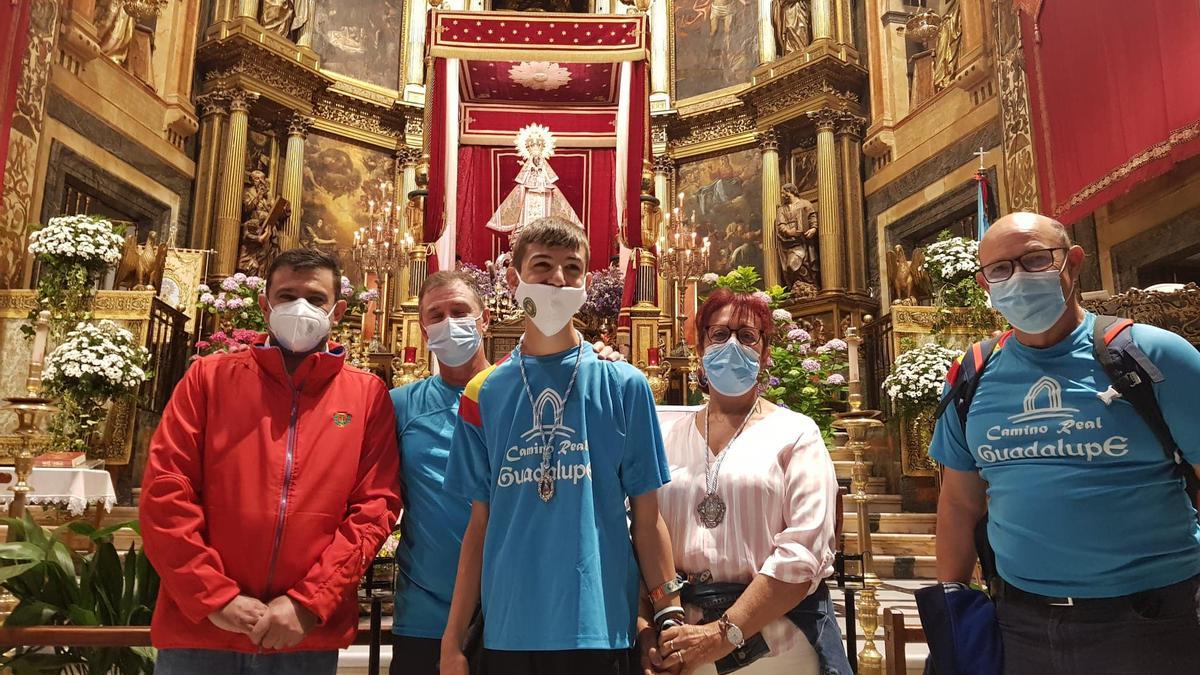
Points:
(573, 662)
(415, 656)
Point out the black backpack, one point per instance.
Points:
(1132, 373)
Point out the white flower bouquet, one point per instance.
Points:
(915, 381)
(87, 240)
(951, 260)
(95, 363)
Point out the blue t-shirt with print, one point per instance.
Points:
(434, 520)
(559, 575)
(1082, 499)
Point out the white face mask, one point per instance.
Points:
(299, 326)
(454, 340)
(550, 307)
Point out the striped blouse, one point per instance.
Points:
(780, 490)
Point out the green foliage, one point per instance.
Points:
(41, 571)
(808, 378)
(746, 280)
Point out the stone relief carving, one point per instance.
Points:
(1020, 167)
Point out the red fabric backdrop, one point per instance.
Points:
(486, 176)
(1114, 96)
(14, 29)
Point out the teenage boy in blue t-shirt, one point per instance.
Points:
(453, 321)
(549, 447)
(1096, 543)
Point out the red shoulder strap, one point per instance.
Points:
(1115, 329)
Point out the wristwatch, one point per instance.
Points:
(732, 633)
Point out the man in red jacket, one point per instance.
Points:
(271, 483)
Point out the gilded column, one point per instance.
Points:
(247, 8)
(292, 188)
(822, 20)
(769, 144)
(406, 182)
(229, 199)
(849, 145)
(414, 69)
(832, 239)
(214, 114)
(664, 168)
(766, 33)
(660, 50)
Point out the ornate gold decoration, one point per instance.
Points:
(414, 126)
(143, 10)
(949, 40)
(916, 434)
(298, 125)
(28, 116)
(825, 119)
(851, 124)
(663, 164)
(407, 373)
(352, 113)
(768, 141)
(713, 127)
(924, 27)
(1178, 311)
(237, 59)
(1020, 166)
(240, 100)
(659, 378)
(215, 102)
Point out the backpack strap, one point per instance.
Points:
(964, 378)
(1134, 375)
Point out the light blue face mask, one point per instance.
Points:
(731, 369)
(1031, 301)
(454, 340)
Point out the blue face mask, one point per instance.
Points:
(1031, 301)
(454, 340)
(731, 369)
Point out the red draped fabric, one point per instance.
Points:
(14, 28)
(487, 174)
(639, 140)
(435, 208)
(1114, 94)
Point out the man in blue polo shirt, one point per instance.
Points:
(1097, 545)
(453, 321)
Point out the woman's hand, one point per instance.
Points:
(652, 662)
(685, 648)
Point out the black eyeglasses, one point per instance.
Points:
(719, 335)
(1033, 261)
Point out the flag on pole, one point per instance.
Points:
(985, 204)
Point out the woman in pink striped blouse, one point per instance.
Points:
(750, 509)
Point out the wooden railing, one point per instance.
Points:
(896, 637)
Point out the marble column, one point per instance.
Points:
(831, 238)
(766, 33)
(214, 115)
(292, 188)
(849, 146)
(664, 169)
(233, 176)
(821, 16)
(769, 144)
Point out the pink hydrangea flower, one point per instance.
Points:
(836, 378)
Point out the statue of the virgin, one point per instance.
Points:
(536, 194)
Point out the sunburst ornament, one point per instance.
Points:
(535, 139)
(539, 75)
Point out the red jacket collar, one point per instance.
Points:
(314, 372)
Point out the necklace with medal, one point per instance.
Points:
(546, 482)
(711, 509)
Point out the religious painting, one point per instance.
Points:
(361, 39)
(260, 155)
(802, 171)
(341, 179)
(716, 44)
(723, 196)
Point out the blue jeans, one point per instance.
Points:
(212, 662)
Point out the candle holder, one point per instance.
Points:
(657, 373)
(381, 249)
(683, 256)
(410, 369)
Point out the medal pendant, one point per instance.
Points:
(546, 488)
(711, 511)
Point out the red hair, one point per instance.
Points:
(746, 307)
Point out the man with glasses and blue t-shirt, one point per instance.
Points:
(1097, 546)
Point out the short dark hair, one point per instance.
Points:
(449, 278)
(306, 259)
(551, 231)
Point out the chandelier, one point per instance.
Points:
(143, 10)
(380, 249)
(683, 256)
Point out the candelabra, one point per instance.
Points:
(381, 250)
(682, 258)
(30, 411)
(858, 423)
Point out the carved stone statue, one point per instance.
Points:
(288, 18)
(945, 52)
(796, 228)
(260, 232)
(114, 29)
(908, 281)
(790, 19)
(141, 267)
